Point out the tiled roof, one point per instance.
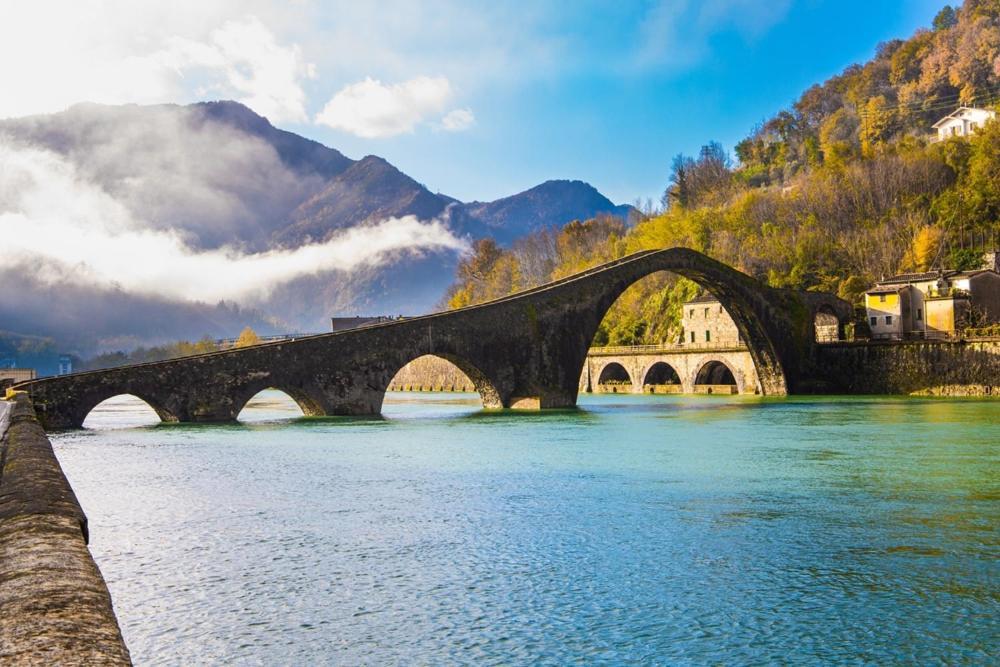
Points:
(914, 277)
(969, 274)
(948, 274)
(885, 289)
(961, 112)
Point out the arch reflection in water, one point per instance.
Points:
(121, 411)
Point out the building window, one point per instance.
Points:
(706, 312)
(708, 336)
(920, 314)
(888, 320)
(874, 320)
(691, 313)
(881, 298)
(720, 310)
(692, 336)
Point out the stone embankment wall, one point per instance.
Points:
(429, 373)
(55, 608)
(939, 368)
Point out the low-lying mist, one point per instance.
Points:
(102, 246)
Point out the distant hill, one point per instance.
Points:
(896, 95)
(219, 175)
(369, 190)
(551, 203)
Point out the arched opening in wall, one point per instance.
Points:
(121, 411)
(662, 313)
(614, 379)
(715, 377)
(827, 325)
(444, 381)
(661, 378)
(273, 404)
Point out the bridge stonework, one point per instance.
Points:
(522, 351)
(686, 363)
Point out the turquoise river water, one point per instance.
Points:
(635, 530)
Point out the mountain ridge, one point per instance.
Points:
(222, 178)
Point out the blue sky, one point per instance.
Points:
(477, 100)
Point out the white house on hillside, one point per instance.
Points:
(962, 122)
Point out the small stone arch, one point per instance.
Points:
(310, 406)
(826, 324)
(660, 372)
(93, 401)
(483, 384)
(614, 374)
(829, 316)
(715, 372)
(309, 402)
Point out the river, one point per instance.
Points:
(637, 529)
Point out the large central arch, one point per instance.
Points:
(750, 304)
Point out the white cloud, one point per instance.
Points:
(73, 227)
(371, 109)
(265, 74)
(53, 55)
(458, 120)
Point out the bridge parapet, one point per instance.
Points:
(56, 606)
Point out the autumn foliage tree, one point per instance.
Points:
(832, 194)
(247, 338)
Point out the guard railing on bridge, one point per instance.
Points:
(725, 344)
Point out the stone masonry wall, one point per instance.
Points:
(946, 368)
(701, 316)
(55, 608)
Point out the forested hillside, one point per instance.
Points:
(844, 187)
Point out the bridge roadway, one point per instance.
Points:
(526, 350)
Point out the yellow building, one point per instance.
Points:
(933, 304)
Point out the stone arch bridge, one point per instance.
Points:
(522, 351)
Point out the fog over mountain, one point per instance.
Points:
(127, 224)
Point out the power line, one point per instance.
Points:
(985, 97)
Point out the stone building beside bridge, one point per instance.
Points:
(933, 304)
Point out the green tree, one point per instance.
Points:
(946, 18)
